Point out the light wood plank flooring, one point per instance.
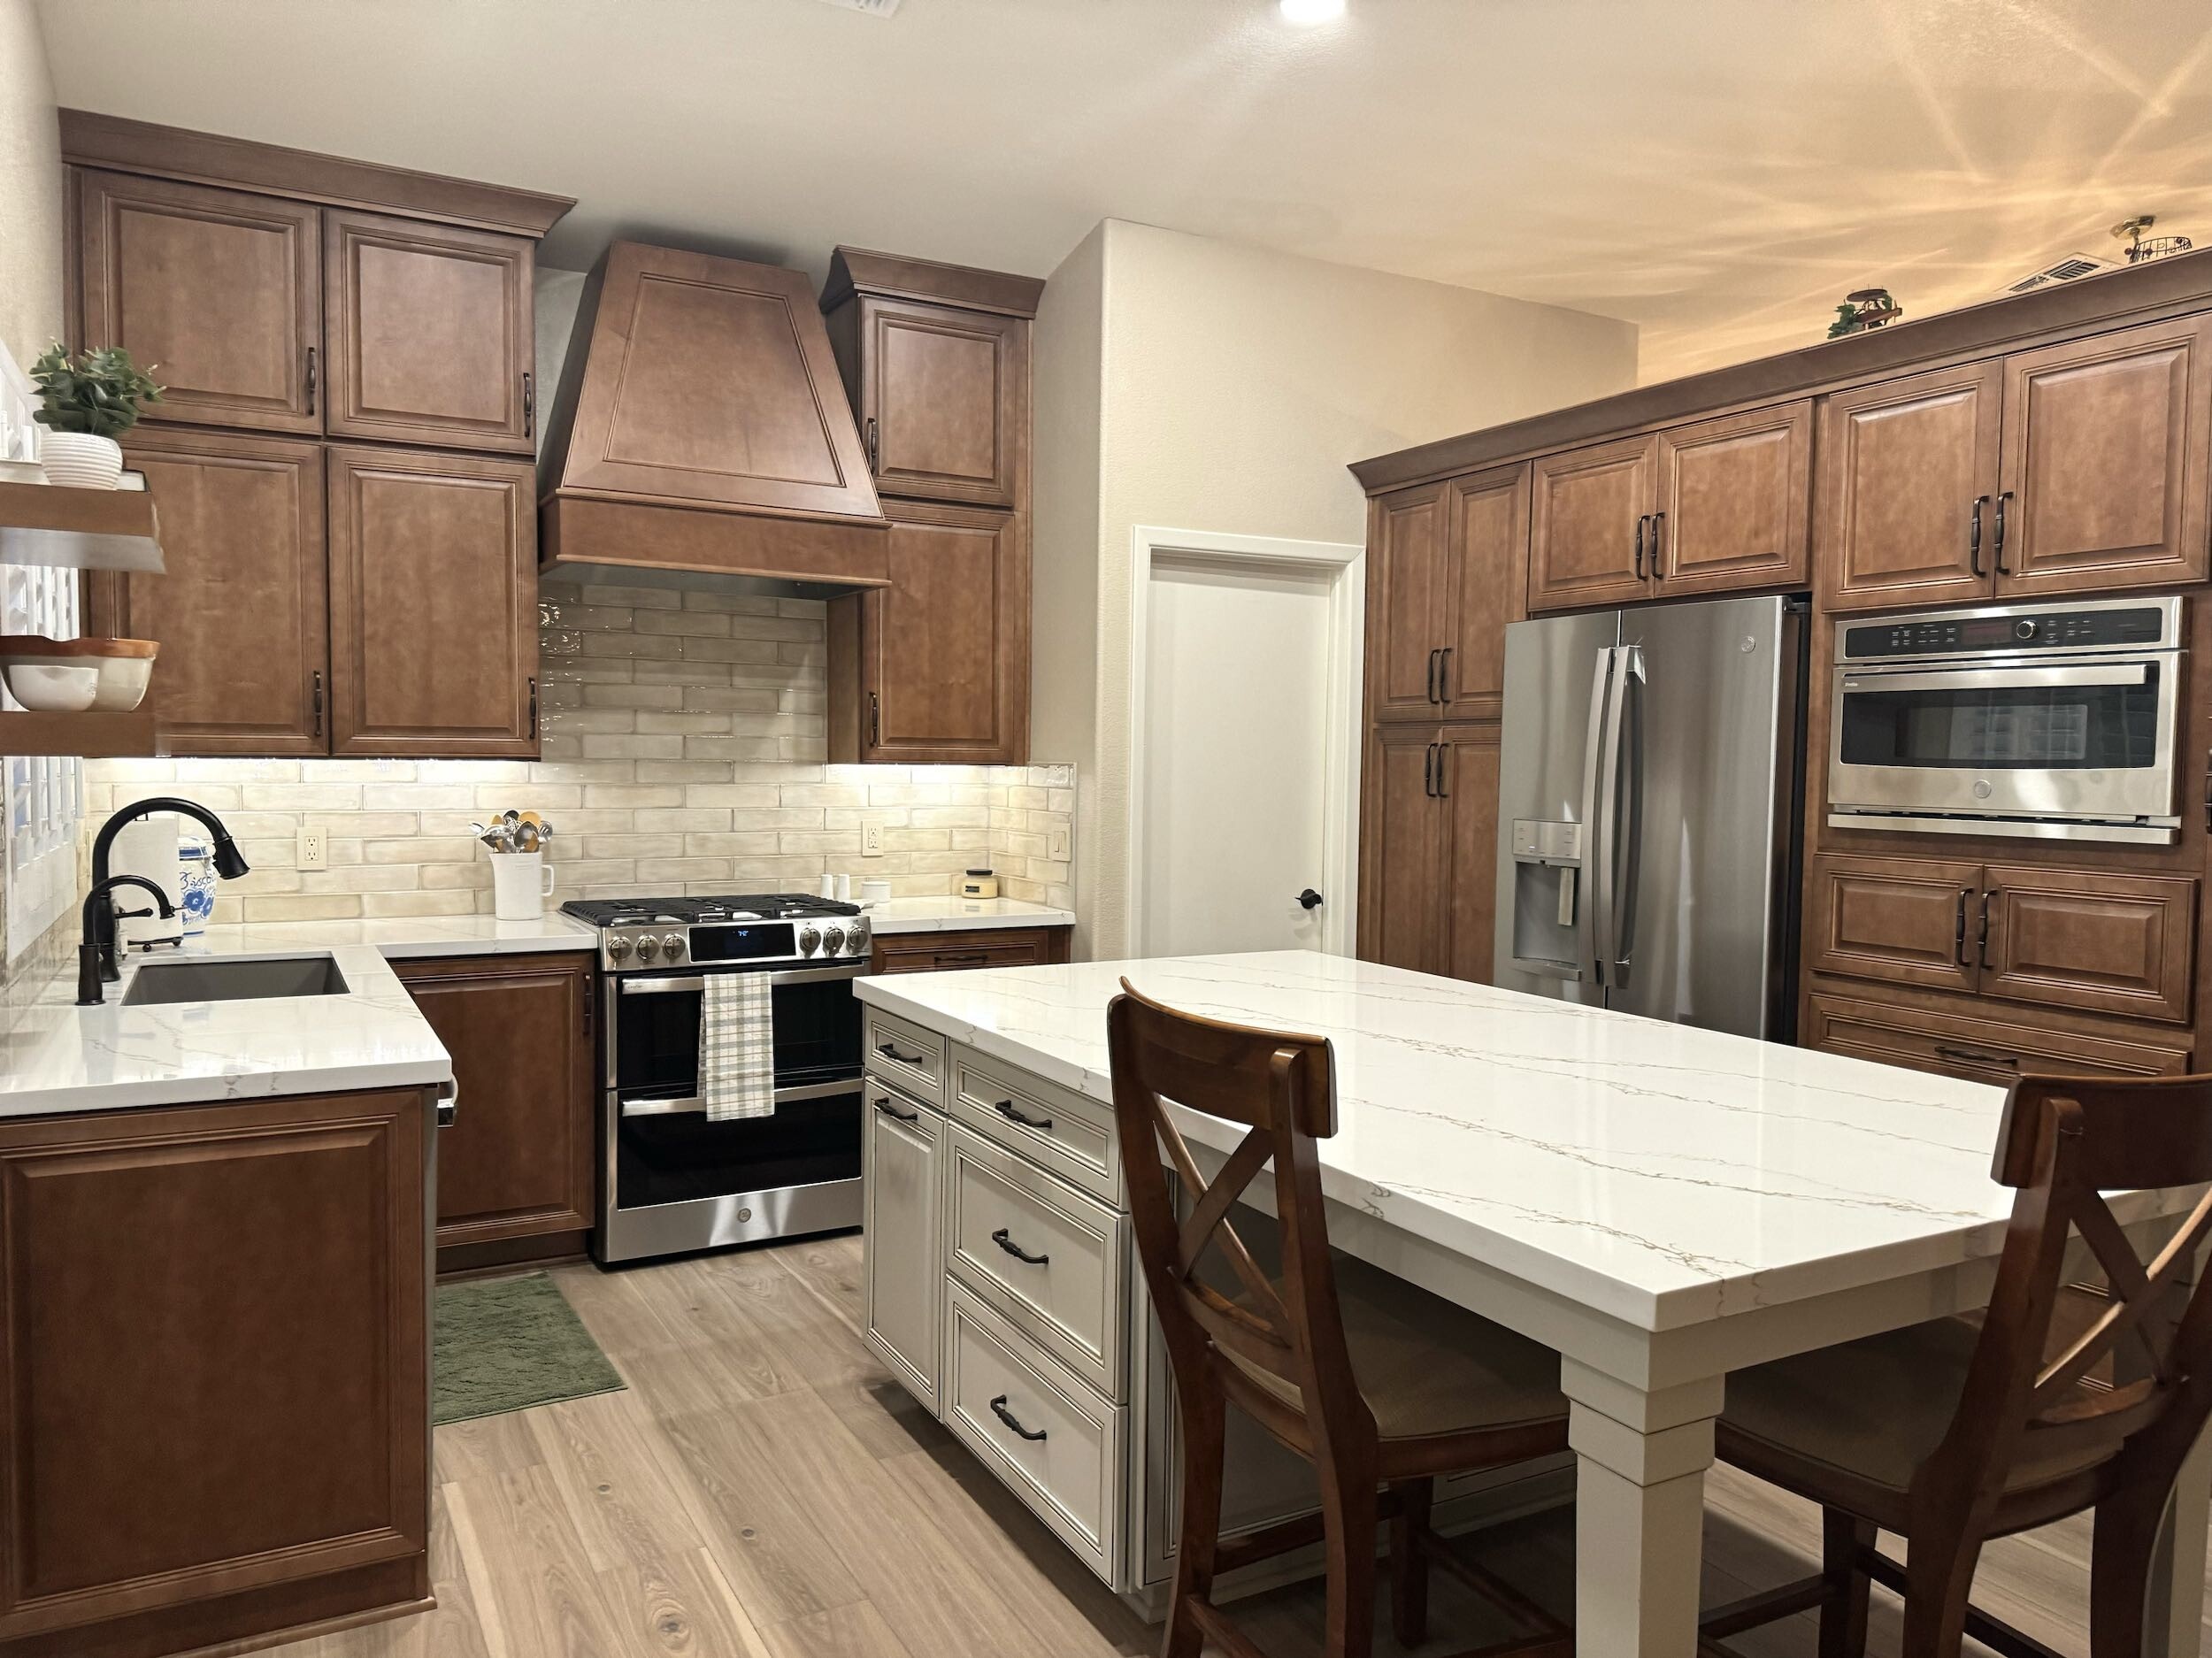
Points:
(765, 1490)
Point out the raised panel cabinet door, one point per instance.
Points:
(434, 604)
(1487, 563)
(944, 401)
(902, 1223)
(215, 1360)
(429, 333)
(1735, 503)
(2104, 461)
(2092, 938)
(1407, 590)
(1468, 782)
(1908, 489)
(516, 1162)
(941, 657)
(1589, 524)
(1904, 920)
(242, 613)
(216, 293)
(1404, 901)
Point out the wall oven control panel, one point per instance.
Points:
(2018, 630)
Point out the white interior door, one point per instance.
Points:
(1240, 766)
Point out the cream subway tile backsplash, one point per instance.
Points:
(685, 736)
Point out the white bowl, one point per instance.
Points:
(49, 687)
(122, 682)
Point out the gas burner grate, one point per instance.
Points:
(659, 912)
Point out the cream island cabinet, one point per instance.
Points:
(1659, 1204)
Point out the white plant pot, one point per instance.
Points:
(82, 460)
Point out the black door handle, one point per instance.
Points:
(895, 1115)
(1974, 536)
(1310, 899)
(1005, 1109)
(1640, 522)
(1999, 550)
(890, 1050)
(1657, 571)
(1005, 1241)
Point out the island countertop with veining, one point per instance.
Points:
(1665, 1174)
(60, 1057)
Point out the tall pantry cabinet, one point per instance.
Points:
(343, 457)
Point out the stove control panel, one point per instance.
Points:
(659, 944)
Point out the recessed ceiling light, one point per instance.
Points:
(1308, 12)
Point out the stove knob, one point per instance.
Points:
(807, 939)
(618, 948)
(833, 940)
(672, 945)
(856, 941)
(2023, 629)
(647, 946)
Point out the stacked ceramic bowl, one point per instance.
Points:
(69, 676)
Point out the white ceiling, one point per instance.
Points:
(1719, 171)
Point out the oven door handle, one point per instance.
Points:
(1999, 679)
(697, 982)
(693, 1105)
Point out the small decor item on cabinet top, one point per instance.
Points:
(979, 884)
(86, 403)
(1863, 309)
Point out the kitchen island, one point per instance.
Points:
(1660, 1204)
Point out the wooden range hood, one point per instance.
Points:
(700, 428)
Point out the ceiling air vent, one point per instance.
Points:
(2072, 268)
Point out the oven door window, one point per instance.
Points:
(2004, 727)
(816, 1036)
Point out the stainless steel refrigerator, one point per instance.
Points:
(1650, 790)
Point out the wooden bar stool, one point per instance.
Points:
(1950, 1436)
(1366, 1394)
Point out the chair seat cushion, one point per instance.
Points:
(1426, 1367)
(1870, 1410)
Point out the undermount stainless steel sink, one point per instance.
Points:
(223, 980)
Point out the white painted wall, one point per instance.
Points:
(30, 188)
(1227, 388)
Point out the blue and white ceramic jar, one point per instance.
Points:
(195, 885)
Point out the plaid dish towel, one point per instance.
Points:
(737, 1050)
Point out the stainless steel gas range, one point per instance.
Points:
(671, 1181)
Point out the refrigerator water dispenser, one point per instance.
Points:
(1547, 883)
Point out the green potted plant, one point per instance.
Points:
(86, 403)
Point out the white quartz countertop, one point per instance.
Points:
(1663, 1174)
(403, 939)
(60, 1057)
(960, 915)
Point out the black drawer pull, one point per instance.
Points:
(998, 1409)
(1968, 1056)
(890, 1050)
(1005, 1109)
(892, 1111)
(1005, 1242)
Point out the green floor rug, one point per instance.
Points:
(502, 1344)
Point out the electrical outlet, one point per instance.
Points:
(1057, 848)
(314, 850)
(871, 841)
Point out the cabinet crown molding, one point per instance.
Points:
(889, 275)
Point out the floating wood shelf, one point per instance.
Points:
(80, 529)
(92, 736)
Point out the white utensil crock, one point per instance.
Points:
(521, 883)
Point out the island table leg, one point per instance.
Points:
(1640, 1511)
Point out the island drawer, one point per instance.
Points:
(1050, 1260)
(1058, 1443)
(905, 1055)
(1981, 1049)
(1068, 1133)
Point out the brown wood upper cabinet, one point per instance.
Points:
(935, 358)
(429, 333)
(2077, 466)
(2092, 940)
(516, 1162)
(1444, 561)
(217, 291)
(933, 668)
(434, 604)
(216, 1370)
(1710, 506)
(241, 611)
(1429, 849)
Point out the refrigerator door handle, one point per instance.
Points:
(1590, 949)
(1623, 812)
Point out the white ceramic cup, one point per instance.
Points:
(874, 892)
(521, 883)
